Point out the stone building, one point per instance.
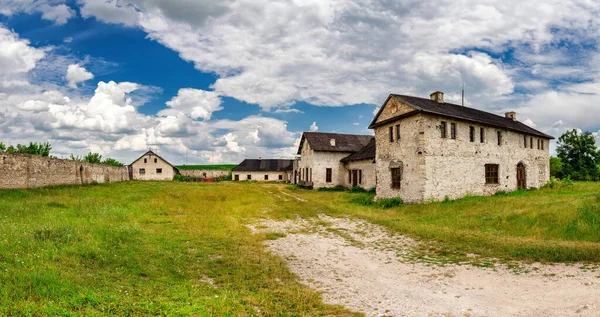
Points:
(263, 170)
(428, 149)
(150, 166)
(332, 159)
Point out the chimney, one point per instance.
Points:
(511, 115)
(437, 96)
(332, 142)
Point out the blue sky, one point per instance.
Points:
(222, 81)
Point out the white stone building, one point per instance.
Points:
(332, 159)
(263, 170)
(150, 166)
(428, 149)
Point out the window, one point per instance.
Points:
(453, 130)
(310, 175)
(481, 135)
(145, 161)
(155, 160)
(499, 137)
(360, 177)
(142, 171)
(525, 141)
(159, 171)
(266, 177)
(248, 177)
(350, 177)
(542, 144)
(392, 134)
(280, 177)
(328, 175)
(396, 177)
(531, 143)
(443, 129)
(397, 132)
(472, 134)
(538, 142)
(491, 173)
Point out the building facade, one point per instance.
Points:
(427, 149)
(263, 170)
(152, 167)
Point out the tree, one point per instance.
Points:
(33, 148)
(2, 147)
(112, 162)
(579, 155)
(556, 167)
(94, 158)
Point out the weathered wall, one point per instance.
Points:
(204, 173)
(260, 176)
(29, 171)
(318, 162)
(369, 177)
(407, 153)
(456, 167)
(150, 166)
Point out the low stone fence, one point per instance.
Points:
(204, 173)
(30, 171)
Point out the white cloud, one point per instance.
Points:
(60, 14)
(110, 11)
(51, 10)
(194, 103)
(77, 74)
(313, 127)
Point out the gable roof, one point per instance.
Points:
(151, 152)
(320, 141)
(366, 153)
(264, 165)
(423, 105)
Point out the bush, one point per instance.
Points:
(34, 148)
(357, 189)
(372, 190)
(2, 147)
(384, 203)
(181, 178)
(337, 188)
(557, 183)
(112, 162)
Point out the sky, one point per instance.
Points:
(204, 81)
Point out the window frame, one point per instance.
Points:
(443, 128)
(452, 130)
(328, 175)
(159, 171)
(142, 171)
(492, 174)
(396, 177)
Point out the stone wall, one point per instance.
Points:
(152, 167)
(204, 173)
(30, 171)
(369, 177)
(260, 176)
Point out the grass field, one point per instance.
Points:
(158, 248)
(225, 167)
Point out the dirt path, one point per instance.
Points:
(365, 268)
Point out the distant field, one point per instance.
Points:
(226, 167)
(171, 248)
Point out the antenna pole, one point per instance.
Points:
(463, 94)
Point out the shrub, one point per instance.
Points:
(112, 162)
(557, 183)
(181, 178)
(357, 189)
(337, 188)
(384, 203)
(34, 148)
(2, 147)
(94, 158)
(363, 200)
(372, 190)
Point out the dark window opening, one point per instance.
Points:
(360, 177)
(481, 135)
(472, 134)
(443, 129)
(350, 177)
(453, 130)
(542, 143)
(397, 132)
(155, 160)
(499, 138)
(159, 171)
(525, 141)
(310, 175)
(491, 173)
(396, 177)
(249, 177)
(531, 143)
(328, 173)
(145, 161)
(280, 177)
(392, 134)
(142, 171)
(266, 177)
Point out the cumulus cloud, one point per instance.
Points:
(77, 74)
(194, 103)
(313, 127)
(59, 13)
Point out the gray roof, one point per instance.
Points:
(424, 105)
(320, 141)
(366, 153)
(264, 165)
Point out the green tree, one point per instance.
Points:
(556, 167)
(112, 162)
(33, 148)
(579, 155)
(2, 147)
(75, 158)
(95, 158)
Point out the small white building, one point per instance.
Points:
(152, 167)
(263, 170)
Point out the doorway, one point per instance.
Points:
(521, 181)
(354, 178)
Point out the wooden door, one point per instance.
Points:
(237, 178)
(354, 178)
(521, 181)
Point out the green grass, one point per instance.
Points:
(225, 167)
(137, 249)
(171, 248)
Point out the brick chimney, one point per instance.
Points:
(437, 96)
(511, 115)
